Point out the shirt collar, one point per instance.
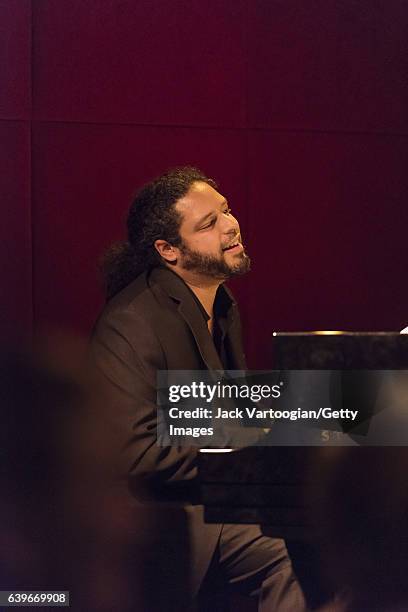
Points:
(177, 288)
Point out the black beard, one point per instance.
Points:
(214, 267)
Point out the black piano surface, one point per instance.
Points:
(271, 486)
(288, 489)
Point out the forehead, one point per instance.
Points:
(200, 200)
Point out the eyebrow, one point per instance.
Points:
(207, 216)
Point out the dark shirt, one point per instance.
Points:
(221, 305)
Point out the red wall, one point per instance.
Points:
(299, 109)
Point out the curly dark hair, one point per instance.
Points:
(152, 216)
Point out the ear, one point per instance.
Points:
(168, 252)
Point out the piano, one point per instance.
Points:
(285, 488)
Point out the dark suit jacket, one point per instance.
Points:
(156, 324)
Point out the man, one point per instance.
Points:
(168, 309)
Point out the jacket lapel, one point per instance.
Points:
(194, 319)
(229, 321)
(188, 308)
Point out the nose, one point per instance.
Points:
(230, 225)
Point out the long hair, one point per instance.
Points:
(152, 216)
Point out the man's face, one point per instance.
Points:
(211, 239)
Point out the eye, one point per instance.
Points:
(210, 224)
(227, 211)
